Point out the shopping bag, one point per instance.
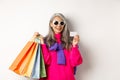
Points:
(18, 66)
(42, 66)
(31, 63)
(36, 68)
(39, 70)
(32, 60)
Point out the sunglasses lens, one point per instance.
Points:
(56, 23)
(62, 23)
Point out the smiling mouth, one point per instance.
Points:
(58, 28)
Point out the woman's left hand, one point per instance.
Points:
(75, 40)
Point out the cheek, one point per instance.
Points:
(51, 25)
(62, 28)
(53, 28)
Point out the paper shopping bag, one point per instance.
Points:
(42, 66)
(39, 70)
(36, 68)
(31, 63)
(19, 65)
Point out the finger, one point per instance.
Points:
(40, 36)
(36, 34)
(76, 37)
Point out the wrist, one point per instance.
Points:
(75, 45)
(42, 41)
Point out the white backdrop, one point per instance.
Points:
(96, 21)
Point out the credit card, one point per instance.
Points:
(73, 33)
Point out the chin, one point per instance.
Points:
(58, 31)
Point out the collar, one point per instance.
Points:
(58, 37)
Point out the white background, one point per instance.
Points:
(96, 21)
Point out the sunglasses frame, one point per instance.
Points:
(59, 23)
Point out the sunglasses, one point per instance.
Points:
(58, 23)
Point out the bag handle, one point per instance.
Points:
(36, 39)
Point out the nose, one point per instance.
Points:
(58, 26)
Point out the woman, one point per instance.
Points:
(61, 55)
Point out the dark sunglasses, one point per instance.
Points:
(57, 22)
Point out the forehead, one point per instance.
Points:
(57, 18)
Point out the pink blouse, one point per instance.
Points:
(61, 72)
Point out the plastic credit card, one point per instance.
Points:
(73, 33)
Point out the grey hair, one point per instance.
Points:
(57, 14)
(50, 40)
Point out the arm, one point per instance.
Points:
(75, 56)
(45, 51)
(46, 54)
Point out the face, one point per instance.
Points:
(57, 25)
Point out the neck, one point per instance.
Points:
(58, 37)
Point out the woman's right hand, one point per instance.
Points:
(36, 34)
